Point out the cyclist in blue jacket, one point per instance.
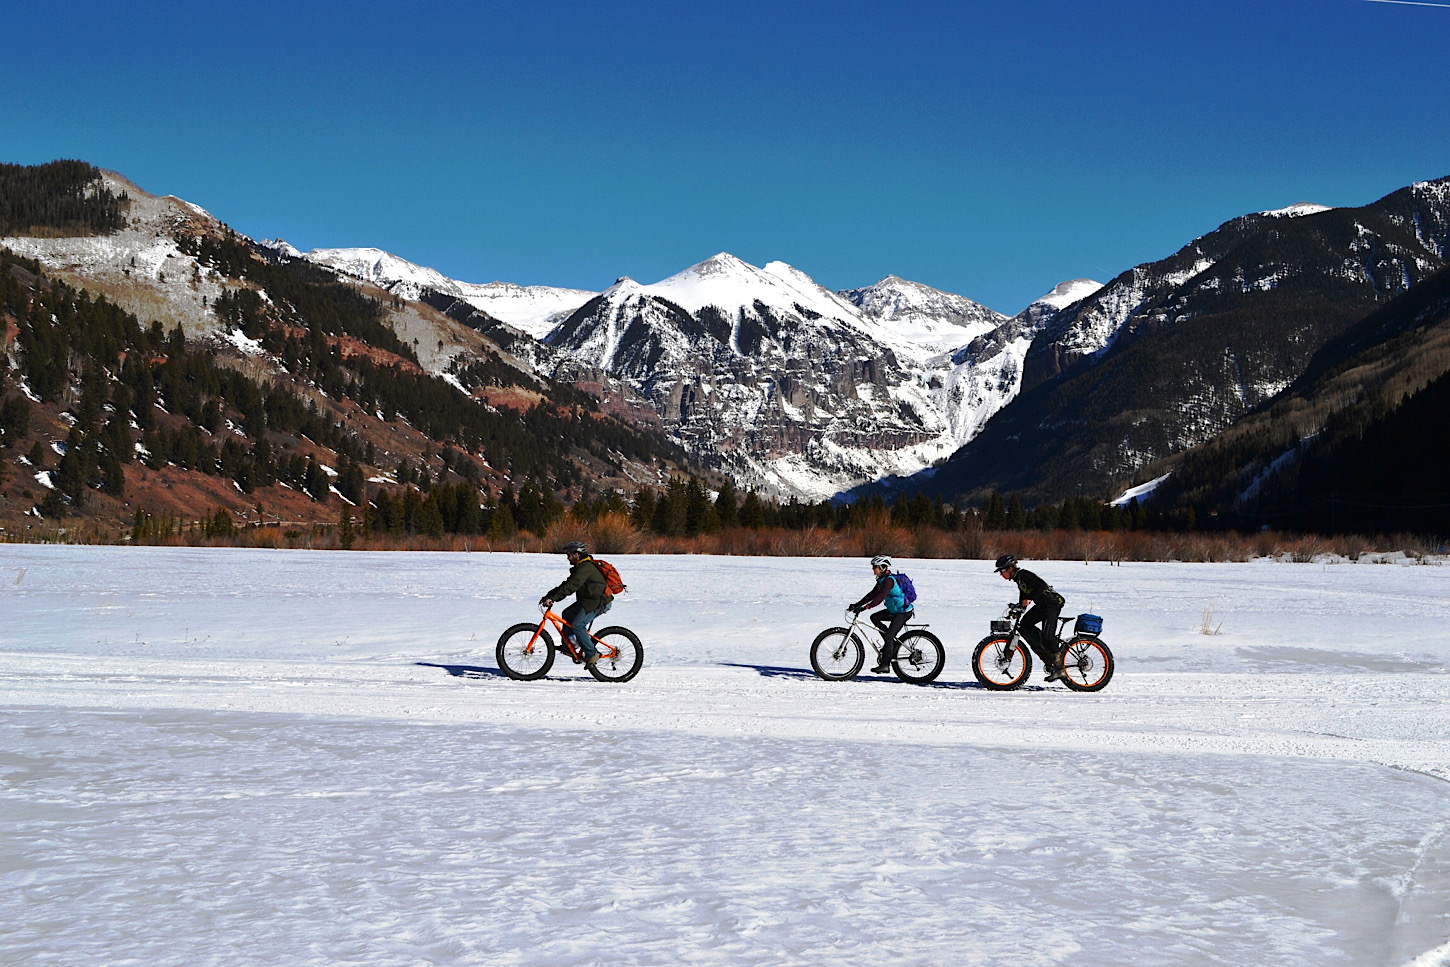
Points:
(891, 619)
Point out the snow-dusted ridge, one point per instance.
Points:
(1298, 210)
(535, 309)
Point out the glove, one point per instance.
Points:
(546, 602)
(854, 608)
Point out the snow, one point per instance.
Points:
(535, 309)
(213, 756)
(140, 267)
(925, 316)
(1066, 293)
(1297, 210)
(244, 345)
(283, 246)
(1139, 492)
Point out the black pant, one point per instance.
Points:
(890, 625)
(1039, 627)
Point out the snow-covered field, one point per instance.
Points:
(231, 756)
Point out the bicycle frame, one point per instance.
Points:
(566, 641)
(876, 632)
(1016, 634)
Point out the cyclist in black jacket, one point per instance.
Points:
(1041, 620)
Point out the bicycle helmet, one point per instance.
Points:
(881, 560)
(1006, 561)
(576, 547)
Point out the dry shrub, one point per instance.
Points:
(1352, 546)
(933, 543)
(614, 534)
(969, 544)
(1305, 549)
(811, 542)
(1266, 544)
(878, 536)
(737, 541)
(564, 530)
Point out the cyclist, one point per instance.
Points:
(591, 598)
(1047, 604)
(890, 620)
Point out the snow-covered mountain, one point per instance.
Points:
(1170, 353)
(793, 388)
(785, 385)
(533, 309)
(922, 315)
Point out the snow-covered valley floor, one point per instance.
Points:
(236, 757)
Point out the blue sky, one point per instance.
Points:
(991, 149)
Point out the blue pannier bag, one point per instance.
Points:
(907, 588)
(1088, 624)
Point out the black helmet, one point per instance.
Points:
(1006, 561)
(576, 547)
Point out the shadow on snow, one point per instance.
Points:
(805, 674)
(765, 671)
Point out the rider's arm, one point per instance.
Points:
(876, 595)
(572, 583)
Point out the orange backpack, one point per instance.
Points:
(613, 583)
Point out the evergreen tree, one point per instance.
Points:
(996, 512)
(643, 513)
(1016, 514)
(752, 511)
(727, 507)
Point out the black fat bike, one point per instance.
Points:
(1003, 661)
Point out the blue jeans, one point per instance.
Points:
(579, 622)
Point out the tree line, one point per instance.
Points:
(58, 198)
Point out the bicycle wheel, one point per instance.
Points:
(1087, 664)
(523, 657)
(620, 655)
(1001, 664)
(837, 654)
(920, 657)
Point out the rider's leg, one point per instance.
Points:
(579, 621)
(1039, 628)
(890, 626)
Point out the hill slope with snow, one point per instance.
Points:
(533, 309)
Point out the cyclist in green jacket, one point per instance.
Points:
(591, 597)
(893, 617)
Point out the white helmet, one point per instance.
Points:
(881, 560)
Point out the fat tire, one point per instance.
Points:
(828, 639)
(931, 648)
(992, 642)
(627, 668)
(1097, 673)
(527, 630)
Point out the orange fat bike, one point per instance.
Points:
(526, 651)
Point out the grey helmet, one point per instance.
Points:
(881, 560)
(1006, 561)
(577, 547)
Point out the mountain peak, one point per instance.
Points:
(721, 263)
(1066, 293)
(283, 246)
